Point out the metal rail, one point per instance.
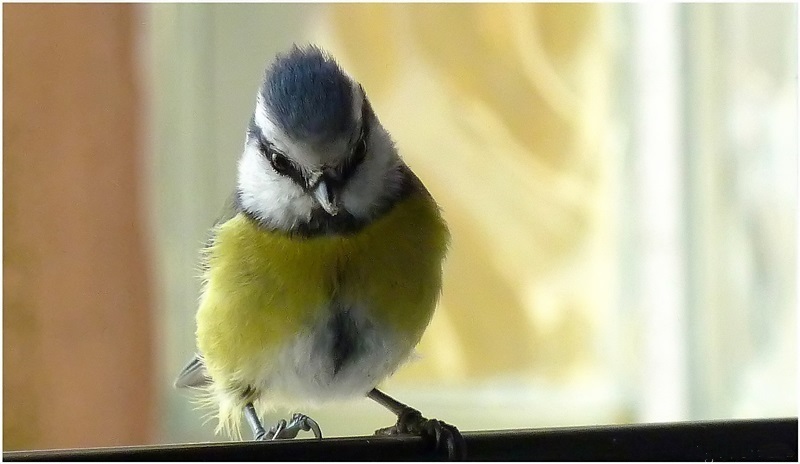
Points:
(733, 440)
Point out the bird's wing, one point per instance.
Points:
(194, 374)
(230, 209)
(228, 212)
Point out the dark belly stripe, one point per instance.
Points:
(345, 342)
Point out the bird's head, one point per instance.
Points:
(314, 151)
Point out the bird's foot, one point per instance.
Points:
(284, 430)
(446, 437)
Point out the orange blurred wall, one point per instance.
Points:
(77, 322)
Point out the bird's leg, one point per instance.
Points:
(282, 430)
(410, 421)
(255, 424)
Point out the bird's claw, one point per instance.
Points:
(284, 431)
(447, 439)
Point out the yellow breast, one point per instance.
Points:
(262, 287)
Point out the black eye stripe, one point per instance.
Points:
(348, 168)
(279, 162)
(359, 152)
(286, 167)
(339, 175)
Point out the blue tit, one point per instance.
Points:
(323, 279)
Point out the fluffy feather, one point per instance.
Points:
(263, 322)
(300, 306)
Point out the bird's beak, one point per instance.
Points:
(327, 198)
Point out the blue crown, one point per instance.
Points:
(308, 95)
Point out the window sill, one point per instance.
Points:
(732, 440)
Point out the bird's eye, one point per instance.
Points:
(354, 160)
(279, 162)
(360, 150)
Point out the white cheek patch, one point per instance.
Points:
(273, 198)
(376, 180)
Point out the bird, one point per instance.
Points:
(322, 277)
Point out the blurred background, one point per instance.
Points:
(620, 181)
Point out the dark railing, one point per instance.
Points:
(735, 440)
